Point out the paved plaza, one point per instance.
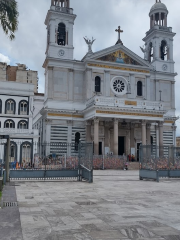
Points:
(116, 206)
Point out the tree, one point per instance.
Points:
(9, 17)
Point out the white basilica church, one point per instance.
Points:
(112, 97)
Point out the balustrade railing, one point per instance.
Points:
(128, 103)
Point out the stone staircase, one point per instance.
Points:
(133, 166)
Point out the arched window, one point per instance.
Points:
(9, 124)
(0, 106)
(97, 84)
(10, 106)
(23, 125)
(26, 154)
(139, 88)
(23, 107)
(77, 138)
(164, 50)
(61, 36)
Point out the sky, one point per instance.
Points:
(97, 18)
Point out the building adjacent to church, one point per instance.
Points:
(112, 97)
(17, 87)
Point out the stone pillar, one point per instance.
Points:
(157, 91)
(143, 132)
(173, 95)
(96, 136)
(132, 82)
(89, 89)
(88, 131)
(153, 20)
(160, 134)
(174, 135)
(52, 31)
(148, 134)
(116, 134)
(107, 83)
(165, 20)
(106, 141)
(160, 19)
(148, 86)
(132, 143)
(71, 84)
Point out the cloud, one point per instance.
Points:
(4, 58)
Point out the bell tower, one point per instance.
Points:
(59, 21)
(159, 39)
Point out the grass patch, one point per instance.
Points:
(0, 195)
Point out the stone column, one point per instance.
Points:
(88, 131)
(173, 95)
(116, 134)
(107, 83)
(71, 85)
(89, 84)
(132, 143)
(106, 140)
(143, 132)
(96, 136)
(161, 150)
(52, 31)
(148, 133)
(165, 20)
(160, 19)
(153, 20)
(160, 134)
(148, 86)
(174, 135)
(157, 91)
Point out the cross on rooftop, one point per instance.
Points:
(119, 32)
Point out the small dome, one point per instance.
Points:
(158, 6)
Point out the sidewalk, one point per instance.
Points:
(10, 226)
(117, 206)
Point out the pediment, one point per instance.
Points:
(118, 54)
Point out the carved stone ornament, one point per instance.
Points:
(61, 52)
(119, 86)
(96, 120)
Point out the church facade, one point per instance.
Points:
(112, 97)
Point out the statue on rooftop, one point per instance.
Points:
(89, 43)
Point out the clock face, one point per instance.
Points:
(164, 67)
(61, 52)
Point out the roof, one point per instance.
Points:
(158, 6)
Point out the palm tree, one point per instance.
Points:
(9, 17)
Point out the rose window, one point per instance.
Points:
(118, 86)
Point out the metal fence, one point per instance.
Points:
(158, 162)
(52, 160)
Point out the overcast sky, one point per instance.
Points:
(97, 18)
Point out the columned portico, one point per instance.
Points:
(143, 132)
(96, 136)
(116, 134)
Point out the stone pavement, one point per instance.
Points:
(10, 226)
(116, 206)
